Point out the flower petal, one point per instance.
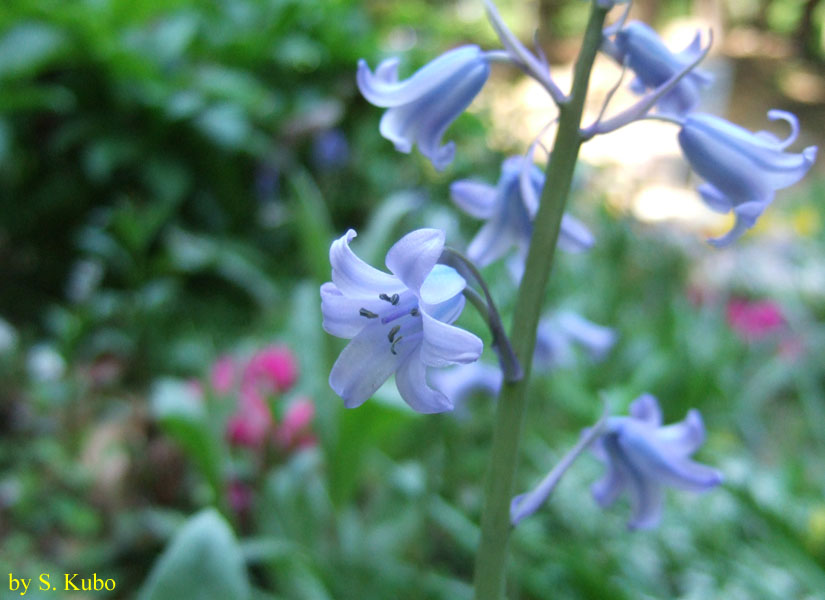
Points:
(354, 277)
(608, 488)
(413, 257)
(474, 198)
(491, 242)
(441, 284)
(685, 437)
(574, 236)
(714, 199)
(364, 365)
(411, 379)
(446, 344)
(646, 408)
(342, 316)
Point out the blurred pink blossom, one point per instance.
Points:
(251, 424)
(294, 430)
(222, 375)
(239, 496)
(754, 320)
(275, 368)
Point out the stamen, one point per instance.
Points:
(394, 342)
(414, 312)
(394, 299)
(367, 313)
(384, 297)
(392, 333)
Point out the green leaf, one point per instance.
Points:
(314, 223)
(27, 47)
(182, 416)
(203, 561)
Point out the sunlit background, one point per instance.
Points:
(171, 176)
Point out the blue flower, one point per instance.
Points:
(742, 169)
(423, 106)
(509, 209)
(642, 456)
(640, 47)
(557, 334)
(398, 323)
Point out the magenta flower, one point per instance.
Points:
(252, 422)
(275, 369)
(294, 430)
(223, 374)
(754, 320)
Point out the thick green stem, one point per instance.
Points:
(495, 521)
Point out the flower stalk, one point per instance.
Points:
(489, 579)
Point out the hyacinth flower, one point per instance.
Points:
(422, 107)
(640, 48)
(460, 382)
(743, 170)
(398, 323)
(642, 457)
(509, 209)
(556, 336)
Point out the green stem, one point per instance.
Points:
(495, 520)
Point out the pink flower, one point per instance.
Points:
(251, 424)
(239, 496)
(275, 368)
(754, 320)
(294, 430)
(223, 374)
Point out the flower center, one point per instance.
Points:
(401, 314)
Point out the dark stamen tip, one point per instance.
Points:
(414, 312)
(392, 333)
(367, 313)
(394, 299)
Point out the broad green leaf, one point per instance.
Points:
(203, 561)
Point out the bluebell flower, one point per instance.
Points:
(460, 382)
(642, 457)
(742, 169)
(423, 106)
(557, 334)
(398, 323)
(639, 47)
(509, 209)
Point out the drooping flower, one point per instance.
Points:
(423, 106)
(398, 323)
(642, 456)
(640, 47)
(557, 334)
(509, 213)
(742, 169)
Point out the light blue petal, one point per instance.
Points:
(645, 408)
(574, 236)
(447, 311)
(491, 242)
(441, 284)
(714, 199)
(461, 381)
(364, 365)
(685, 437)
(341, 313)
(413, 257)
(354, 277)
(597, 340)
(474, 198)
(445, 344)
(607, 490)
(383, 89)
(411, 379)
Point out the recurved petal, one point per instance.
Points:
(608, 488)
(474, 198)
(384, 89)
(411, 379)
(363, 366)
(441, 284)
(685, 437)
(646, 501)
(646, 408)
(746, 216)
(714, 199)
(413, 257)
(491, 242)
(354, 277)
(574, 236)
(445, 344)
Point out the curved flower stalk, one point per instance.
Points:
(642, 456)
(509, 213)
(743, 170)
(639, 47)
(423, 106)
(557, 334)
(537, 68)
(398, 323)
